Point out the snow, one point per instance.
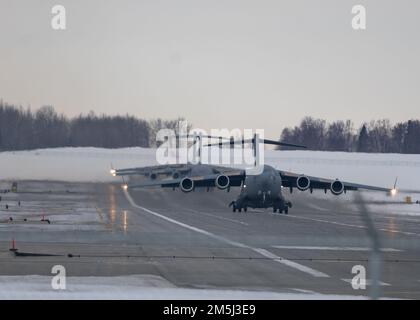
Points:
(71, 164)
(144, 287)
(93, 165)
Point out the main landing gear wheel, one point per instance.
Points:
(245, 209)
(285, 210)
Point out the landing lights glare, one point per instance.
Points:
(394, 192)
(113, 172)
(125, 187)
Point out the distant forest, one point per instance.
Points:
(378, 136)
(23, 129)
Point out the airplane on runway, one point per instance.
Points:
(263, 190)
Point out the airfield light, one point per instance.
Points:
(125, 187)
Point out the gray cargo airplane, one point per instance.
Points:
(263, 190)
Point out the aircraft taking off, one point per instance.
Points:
(263, 190)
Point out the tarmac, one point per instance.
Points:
(194, 240)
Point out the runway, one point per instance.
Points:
(195, 241)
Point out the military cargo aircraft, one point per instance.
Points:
(263, 190)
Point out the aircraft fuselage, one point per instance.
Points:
(261, 191)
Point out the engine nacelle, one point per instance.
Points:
(153, 176)
(175, 175)
(337, 187)
(187, 185)
(222, 182)
(303, 183)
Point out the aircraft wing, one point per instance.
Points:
(166, 169)
(147, 171)
(235, 177)
(289, 179)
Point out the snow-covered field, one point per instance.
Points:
(93, 164)
(144, 287)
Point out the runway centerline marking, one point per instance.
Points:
(262, 252)
(333, 248)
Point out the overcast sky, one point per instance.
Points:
(220, 64)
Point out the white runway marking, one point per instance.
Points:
(314, 206)
(368, 282)
(292, 264)
(217, 217)
(262, 252)
(184, 225)
(354, 225)
(333, 248)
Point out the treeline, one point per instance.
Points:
(378, 136)
(23, 129)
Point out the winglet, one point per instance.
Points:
(394, 190)
(395, 183)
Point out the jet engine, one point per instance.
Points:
(337, 187)
(303, 183)
(187, 185)
(175, 175)
(153, 176)
(222, 182)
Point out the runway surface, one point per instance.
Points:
(195, 241)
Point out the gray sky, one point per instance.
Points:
(221, 64)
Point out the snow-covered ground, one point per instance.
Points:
(93, 164)
(71, 164)
(145, 287)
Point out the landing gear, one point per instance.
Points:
(284, 209)
(235, 207)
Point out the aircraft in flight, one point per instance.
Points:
(263, 190)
